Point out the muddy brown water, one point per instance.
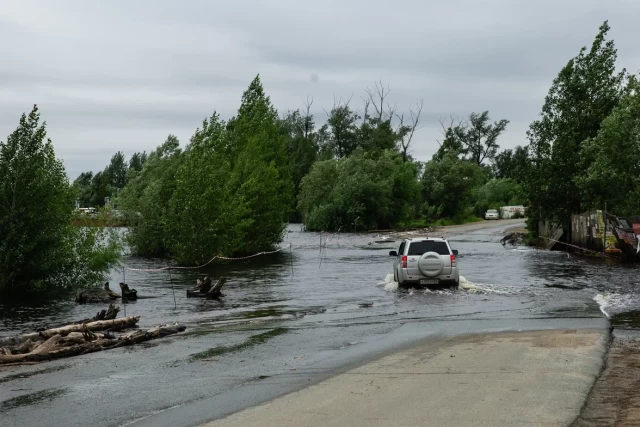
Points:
(292, 318)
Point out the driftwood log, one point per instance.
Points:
(101, 325)
(109, 314)
(208, 292)
(76, 343)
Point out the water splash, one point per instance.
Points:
(390, 285)
(604, 302)
(477, 288)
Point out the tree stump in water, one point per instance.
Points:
(127, 293)
(216, 291)
(204, 289)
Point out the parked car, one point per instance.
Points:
(492, 214)
(425, 261)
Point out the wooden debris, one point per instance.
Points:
(109, 314)
(127, 293)
(204, 289)
(57, 346)
(101, 325)
(76, 339)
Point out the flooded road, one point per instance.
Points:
(291, 319)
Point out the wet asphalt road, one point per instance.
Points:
(292, 319)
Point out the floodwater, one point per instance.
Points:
(322, 304)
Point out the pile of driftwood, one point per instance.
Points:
(77, 338)
(204, 289)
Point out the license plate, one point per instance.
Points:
(429, 281)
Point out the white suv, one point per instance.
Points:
(425, 261)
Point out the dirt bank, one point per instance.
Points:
(514, 378)
(615, 397)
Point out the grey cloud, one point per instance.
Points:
(121, 75)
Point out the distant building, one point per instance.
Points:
(507, 212)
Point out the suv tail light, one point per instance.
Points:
(404, 261)
(453, 260)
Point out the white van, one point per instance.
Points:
(510, 211)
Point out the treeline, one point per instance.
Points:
(94, 190)
(235, 185)
(585, 147)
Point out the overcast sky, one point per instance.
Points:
(121, 75)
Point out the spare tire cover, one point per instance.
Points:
(430, 264)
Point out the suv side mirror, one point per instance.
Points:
(393, 253)
(455, 252)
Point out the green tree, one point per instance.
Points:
(40, 251)
(116, 172)
(448, 186)
(146, 199)
(228, 193)
(513, 164)
(341, 130)
(83, 190)
(302, 147)
(479, 138)
(452, 143)
(362, 190)
(583, 94)
(137, 161)
(261, 175)
(378, 135)
(610, 162)
(205, 218)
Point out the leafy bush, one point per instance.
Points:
(362, 190)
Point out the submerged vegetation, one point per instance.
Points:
(41, 253)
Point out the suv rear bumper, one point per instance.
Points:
(414, 280)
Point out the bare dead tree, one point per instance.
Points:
(407, 131)
(367, 103)
(308, 119)
(391, 110)
(377, 98)
(449, 123)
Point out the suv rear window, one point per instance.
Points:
(419, 248)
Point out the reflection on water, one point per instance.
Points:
(331, 285)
